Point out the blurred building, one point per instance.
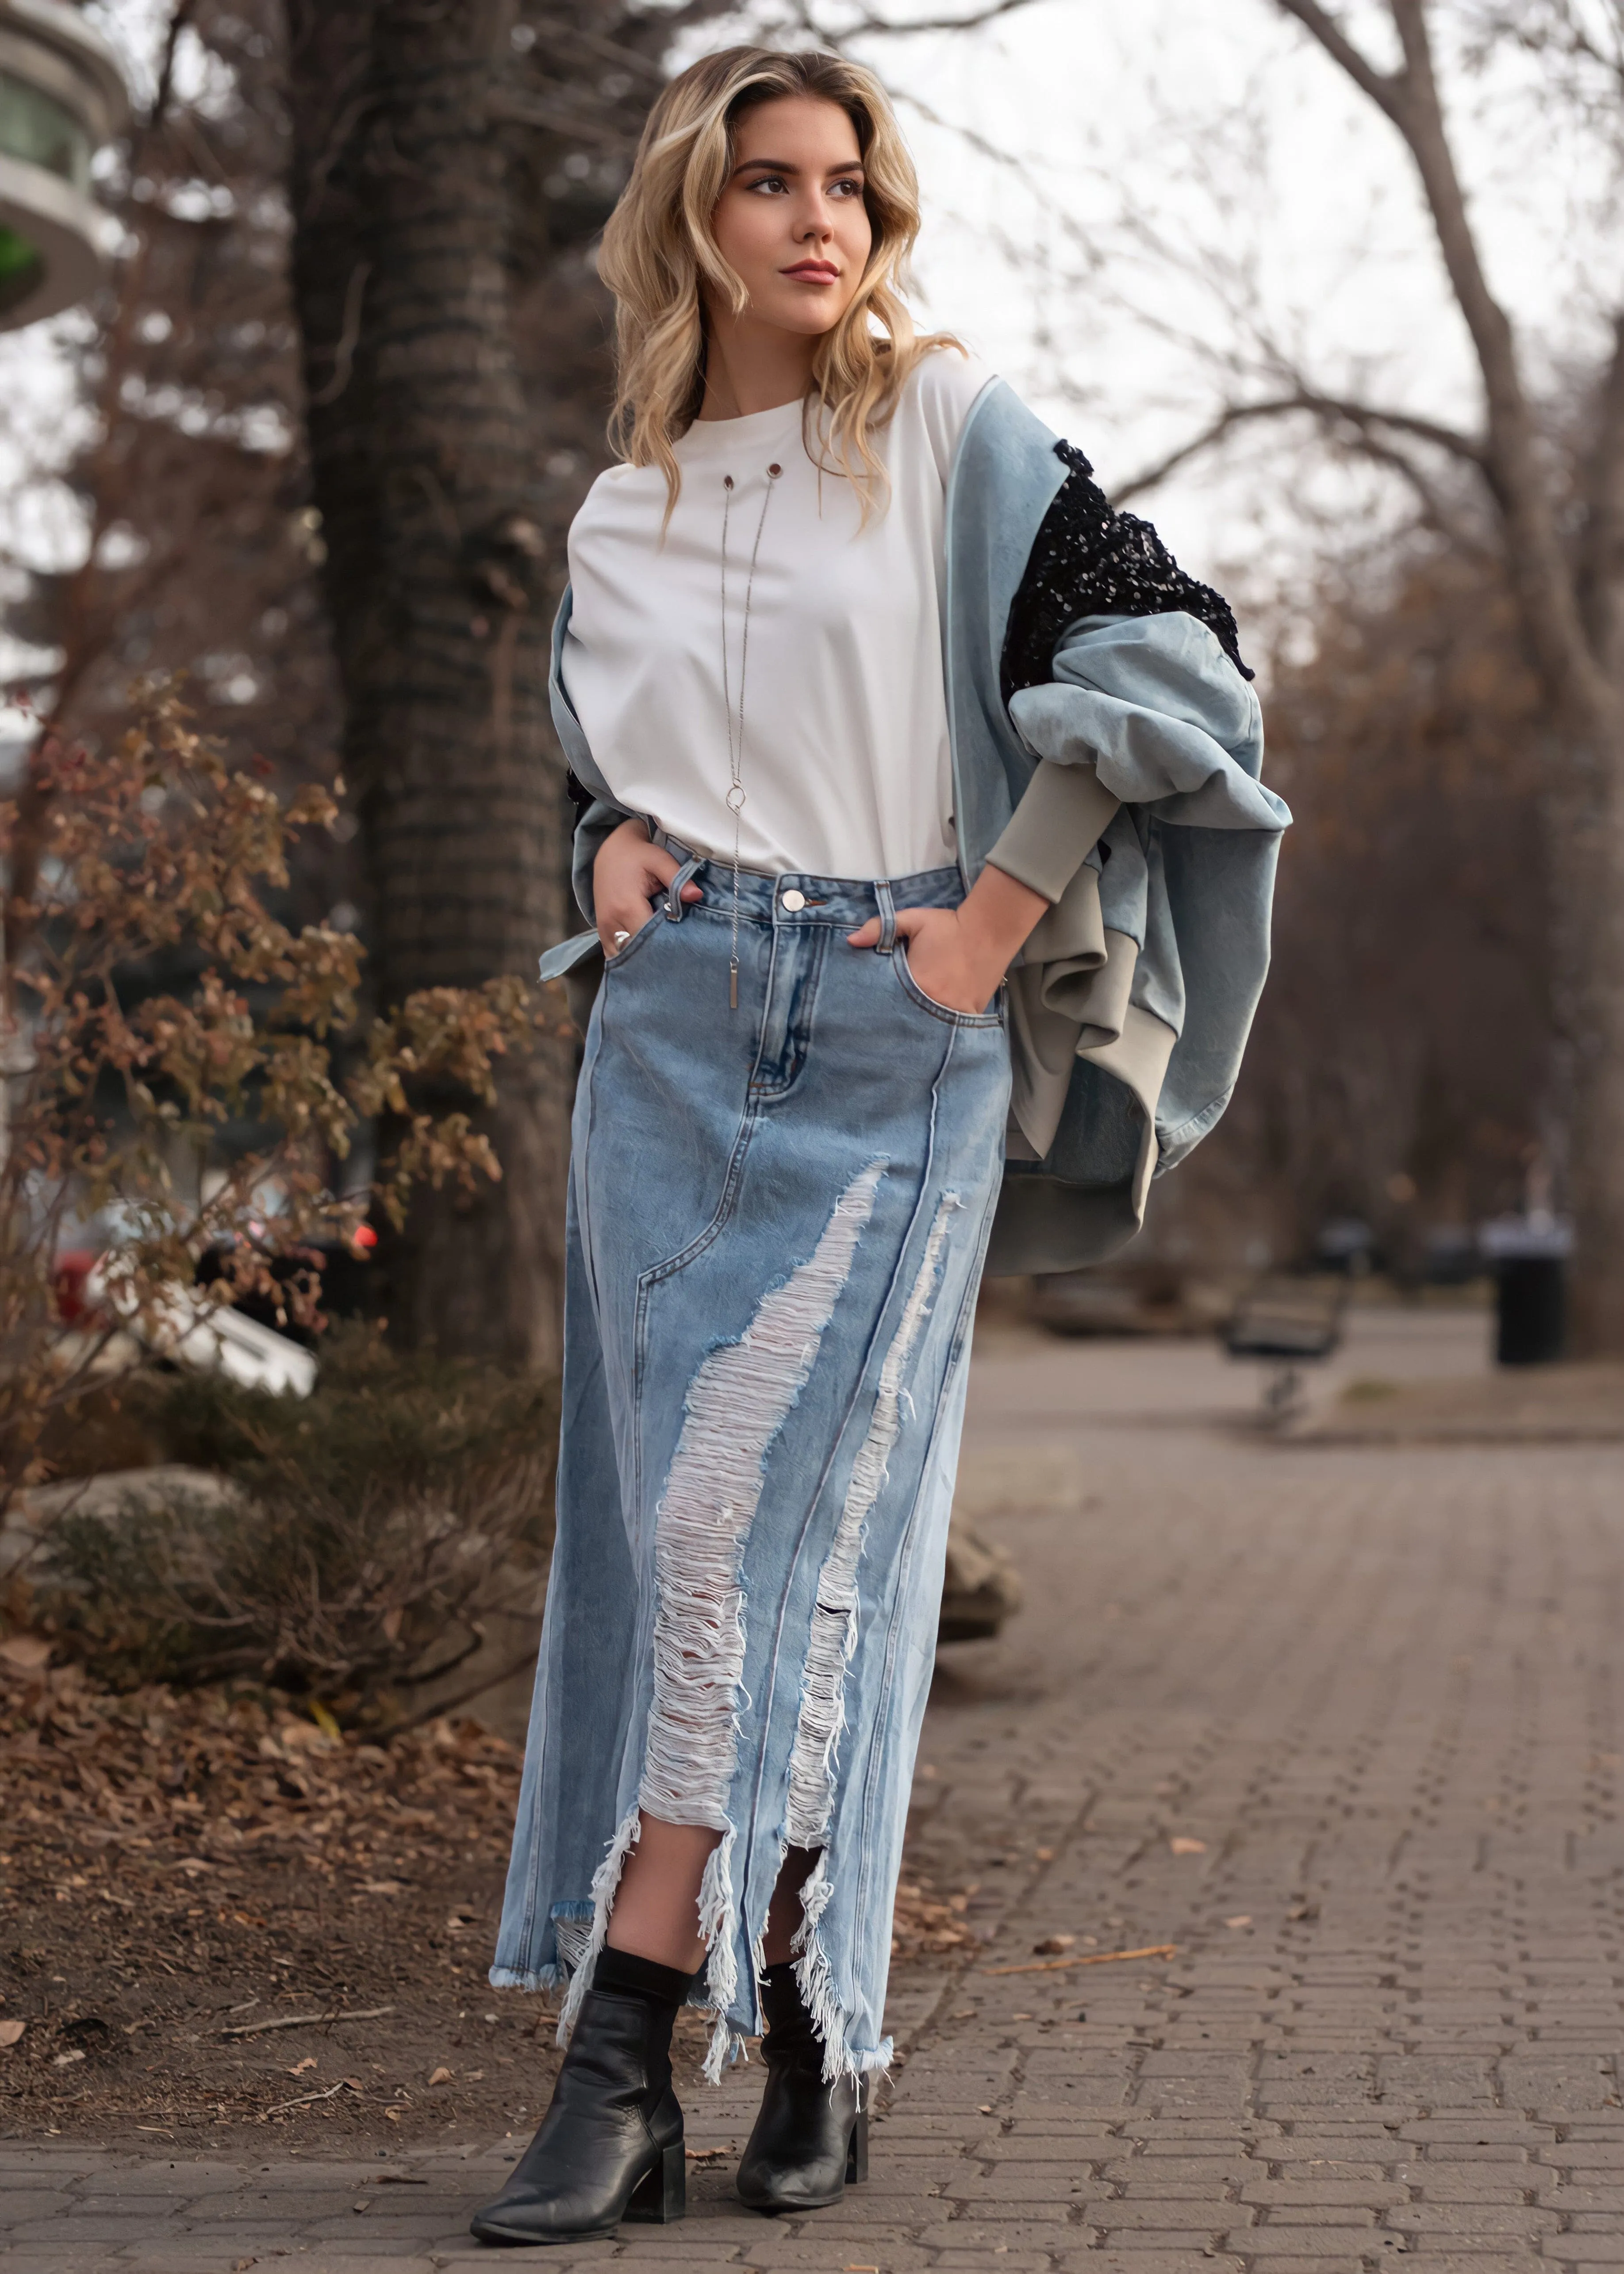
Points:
(62, 96)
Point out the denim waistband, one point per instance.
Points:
(799, 898)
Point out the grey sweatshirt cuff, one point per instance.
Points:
(1057, 824)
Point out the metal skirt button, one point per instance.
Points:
(793, 901)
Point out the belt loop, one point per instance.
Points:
(673, 891)
(888, 917)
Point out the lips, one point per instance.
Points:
(813, 272)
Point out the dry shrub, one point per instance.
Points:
(154, 1003)
(357, 1539)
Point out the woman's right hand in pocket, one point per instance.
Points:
(628, 876)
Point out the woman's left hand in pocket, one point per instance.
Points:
(958, 956)
(950, 963)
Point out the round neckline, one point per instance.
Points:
(729, 433)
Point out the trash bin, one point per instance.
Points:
(1528, 1255)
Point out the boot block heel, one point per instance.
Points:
(857, 2153)
(661, 2195)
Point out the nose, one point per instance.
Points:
(818, 225)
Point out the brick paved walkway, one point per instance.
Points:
(1375, 1686)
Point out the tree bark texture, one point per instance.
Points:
(425, 470)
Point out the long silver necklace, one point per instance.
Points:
(735, 731)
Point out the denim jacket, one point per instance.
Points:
(1127, 789)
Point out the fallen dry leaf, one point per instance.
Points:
(67, 2060)
(10, 2033)
(440, 2076)
(705, 2154)
(25, 1653)
(923, 1927)
(1184, 1845)
(1241, 1918)
(1052, 1945)
(473, 2076)
(299, 2067)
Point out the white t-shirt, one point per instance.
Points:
(845, 766)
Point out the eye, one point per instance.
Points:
(773, 182)
(848, 189)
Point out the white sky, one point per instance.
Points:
(1171, 159)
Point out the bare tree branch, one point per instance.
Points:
(1383, 88)
(180, 18)
(1368, 419)
(1435, 513)
(557, 118)
(1552, 28)
(865, 27)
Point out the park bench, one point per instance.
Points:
(1286, 1324)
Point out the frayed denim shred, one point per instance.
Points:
(736, 1405)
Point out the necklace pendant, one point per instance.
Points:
(733, 987)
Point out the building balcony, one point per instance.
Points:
(62, 96)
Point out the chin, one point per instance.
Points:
(811, 319)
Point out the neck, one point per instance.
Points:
(751, 367)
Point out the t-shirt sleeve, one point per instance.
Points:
(947, 383)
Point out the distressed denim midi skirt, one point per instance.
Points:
(778, 1219)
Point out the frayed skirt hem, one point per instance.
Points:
(516, 1978)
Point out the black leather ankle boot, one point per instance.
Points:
(810, 2138)
(610, 2146)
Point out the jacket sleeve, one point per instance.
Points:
(1111, 652)
(1151, 710)
(1149, 745)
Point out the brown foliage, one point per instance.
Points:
(156, 857)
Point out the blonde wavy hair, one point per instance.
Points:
(658, 247)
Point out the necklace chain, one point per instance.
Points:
(735, 733)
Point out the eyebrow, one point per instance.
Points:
(783, 165)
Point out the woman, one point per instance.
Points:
(929, 872)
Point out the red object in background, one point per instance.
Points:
(68, 1276)
(365, 1238)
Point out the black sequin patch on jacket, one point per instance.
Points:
(1087, 559)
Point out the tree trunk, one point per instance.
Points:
(423, 464)
(1585, 837)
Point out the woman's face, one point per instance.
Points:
(791, 222)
